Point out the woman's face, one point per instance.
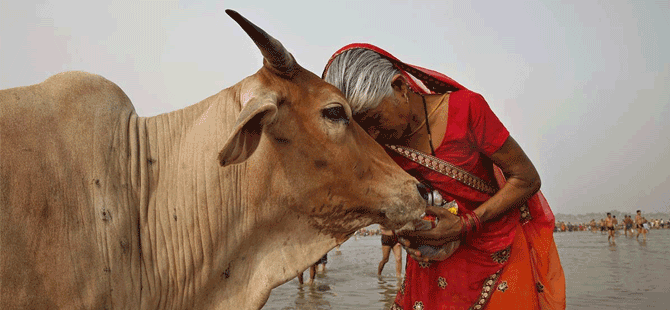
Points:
(389, 121)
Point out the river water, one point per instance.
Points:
(629, 275)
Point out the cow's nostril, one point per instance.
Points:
(424, 190)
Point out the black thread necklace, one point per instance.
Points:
(430, 137)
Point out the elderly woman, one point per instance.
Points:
(447, 137)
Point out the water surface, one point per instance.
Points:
(629, 275)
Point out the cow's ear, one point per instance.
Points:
(258, 112)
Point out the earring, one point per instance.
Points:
(406, 98)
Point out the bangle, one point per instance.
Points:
(477, 220)
(465, 225)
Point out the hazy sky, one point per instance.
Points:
(583, 86)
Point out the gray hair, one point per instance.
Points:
(363, 76)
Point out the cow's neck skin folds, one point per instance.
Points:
(194, 251)
(181, 187)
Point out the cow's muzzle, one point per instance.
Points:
(410, 206)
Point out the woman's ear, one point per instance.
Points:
(399, 85)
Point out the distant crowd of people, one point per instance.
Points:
(637, 225)
(595, 226)
(364, 232)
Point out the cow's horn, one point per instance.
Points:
(273, 51)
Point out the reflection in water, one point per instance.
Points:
(312, 297)
(388, 287)
(629, 275)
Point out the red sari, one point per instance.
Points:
(496, 262)
(512, 263)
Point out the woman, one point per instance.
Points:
(507, 256)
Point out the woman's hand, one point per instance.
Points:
(448, 229)
(413, 253)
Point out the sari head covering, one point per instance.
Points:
(421, 80)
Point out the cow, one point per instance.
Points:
(208, 207)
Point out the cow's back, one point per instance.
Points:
(68, 223)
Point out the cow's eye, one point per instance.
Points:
(336, 114)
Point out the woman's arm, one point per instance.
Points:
(522, 182)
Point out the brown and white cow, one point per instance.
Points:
(209, 207)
